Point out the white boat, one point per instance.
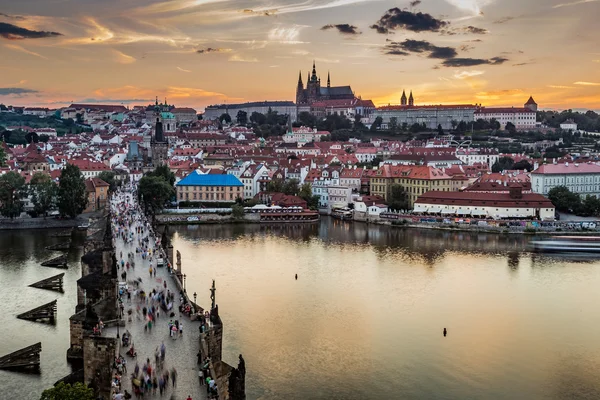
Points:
(566, 244)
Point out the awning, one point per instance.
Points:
(478, 212)
(420, 208)
(461, 211)
(434, 210)
(447, 212)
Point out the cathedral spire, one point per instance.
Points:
(314, 72)
(156, 101)
(300, 79)
(411, 100)
(403, 100)
(328, 79)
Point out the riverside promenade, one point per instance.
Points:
(180, 351)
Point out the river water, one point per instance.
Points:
(21, 253)
(365, 318)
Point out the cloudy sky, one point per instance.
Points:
(200, 52)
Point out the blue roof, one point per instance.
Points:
(196, 179)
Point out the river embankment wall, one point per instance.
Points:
(41, 223)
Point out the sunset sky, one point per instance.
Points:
(201, 52)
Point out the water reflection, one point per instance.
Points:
(364, 318)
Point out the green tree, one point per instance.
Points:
(79, 118)
(398, 198)
(163, 172)
(415, 128)
(307, 119)
(376, 124)
(376, 161)
(12, 189)
(503, 164)
(2, 156)
(590, 206)
(237, 211)
(242, 117)
(154, 192)
(64, 391)
(510, 127)
(393, 124)
(290, 187)
(72, 197)
(43, 193)
(109, 177)
(523, 165)
(305, 193)
(275, 186)
(258, 118)
(440, 130)
(454, 124)
(225, 118)
(494, 124)
(563, 199)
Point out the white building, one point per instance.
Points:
(578, 178)
(431, 116)
(472, 156)
(303, 134)
(569, 125)
(522, 118)
(339, 196)
(250, 178)
(184, 115)
(37, 111)
(496, 205)
(262, 107)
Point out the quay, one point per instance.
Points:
(110, 297)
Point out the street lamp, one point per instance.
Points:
(119, 323)
(184, 283)
(194, 301)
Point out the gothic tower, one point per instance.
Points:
(411, 100)
(300, 90)
(158, 144)
(403, 99)
(328, 80)
(313, 86)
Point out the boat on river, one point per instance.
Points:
(344, 213)
(567, 244)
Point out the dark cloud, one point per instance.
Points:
(420, 46)
(13, 32)
(211, 50)
(471, 62)
(466, 47)
(476, 40)
(345, 29)
(415, 3)
(15, 17)
(503, 20)
(474, 30)
(396, 18)
(12, 91)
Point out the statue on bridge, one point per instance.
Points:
(212, 295)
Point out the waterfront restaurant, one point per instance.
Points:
(512, 205)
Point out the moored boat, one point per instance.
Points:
(566, 244)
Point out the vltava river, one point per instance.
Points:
(365, 318)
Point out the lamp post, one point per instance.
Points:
(194, 302)
(119, 323)
(184, 291)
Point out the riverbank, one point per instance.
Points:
(45, 223)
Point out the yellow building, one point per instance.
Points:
(415, 179)
(210, 188)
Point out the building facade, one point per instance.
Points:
(522, 118)
(262, 107)
(583, 179)
(209, 188)
(431, 116)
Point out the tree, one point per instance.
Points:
(32, 137)
(440, 129)
(258, 118)
(163, 172)
(64, 391)
(43, 193)
(393, 124)
(454, 123)
(242, 117)
(462, 126)
(398, 198)
(376, 124)
(307, 119)
(376, 161)
(72, 197)
(12, 189)
(415, 128)
(312, 201)
(275, 186)
(523, 165)
(237, 211)
(503, 164)
(510, 127)
(225, 118)
(79, 118)
(2, 156)
(563, 199)
(290, 187)
(590, 206)
(43, 138)
(155, 192)
(494, 124)
(109, 177)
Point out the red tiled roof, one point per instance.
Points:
(479, 199)
(571, 168)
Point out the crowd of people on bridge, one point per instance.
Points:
(148, 299)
